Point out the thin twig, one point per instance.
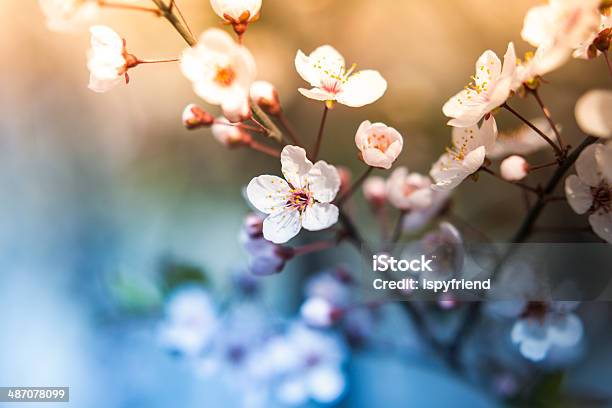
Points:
(543, 166)
(548, 117)
(173, 5)
(176, 23)
(288, 128)
(355, 186)
(320, 134)
(399, 227)
(270, 151)
(514, 183)
(558, 151)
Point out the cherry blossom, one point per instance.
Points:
(409, 191)
(490, 88)
(108, 60)
(466, 155)
(593, 113)
(68, 15)
(229, 135)
(416, 220)
(591, 190)
(303, 200)
(325, 70)
(265, 257)
(191, 321)
(375, 191)
(238, 13)
(514, 168)
(265, 95)
(589, 48)
(379, 144)
(236, 108)
(219, 69)
(195, 117)
(522, 141)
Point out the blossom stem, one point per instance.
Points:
(514, 183)
(320, 135)
(107, 4)
(314, 247)
(168, 14)
(533, 127)
(608, 62)
(270, 151)
(543, 166)
(239, 125)
(355, 186)
(546, 112)
(158, 61)
(288, 128)
(399, 227)
(261, 127)
(173, 5)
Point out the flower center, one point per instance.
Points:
(380, 142)
(299, 199)
(535, 310)
(225, 76)
(602, 198)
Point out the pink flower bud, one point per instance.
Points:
(375, 191)
(230, 135)
(264, 94)
(514, 168)
(195, 117)
(345, 178)
(237, 108)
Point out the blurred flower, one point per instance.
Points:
(219, 68)
(379, 144)
(418, 219)
(304, 200)
(593, 113)
(591, 190)
(325, 70)
(603, 155)
(229, 135)
(345, 179)
(466, 155)
(490, 88)
(309, 366)
(319, 312)
(592, 48)
(561, 26)
(264, 94)
(543, 325)
(239, 13)
(190, 321)
(514, 168)
(265, 257)
(195, 117)
(409, 191)
(108, 60)
(236, 108)
(522, 141)
(68, 15)
(445, 244)
(375, 191)
(327, 298)
(535, 65)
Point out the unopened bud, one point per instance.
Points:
(514, 168)
(237, 108)
(375, 191)
(230, 135)
(602, 42)
(195, 117)
(253, 225)
(345, 178)
(264, 94)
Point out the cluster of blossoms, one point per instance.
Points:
(304, 360)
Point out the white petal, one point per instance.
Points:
(587, 168)
(362, 88)
(466, 109)
(103, 85)
(268, 193)
(578, 194)
(326, 384)
(322, 62)
(474, 160)
(320, 216)
(105, 37)
(317, 94)
(565, 330)
(603, 155)
(295, 165)
(281, 226)
(602, 225)
(323, 181)
(534, 27)
(293, 391)
(594, 113)
(488, 68)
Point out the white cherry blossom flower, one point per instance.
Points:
(108, 59)
(303, 200)
(522, 141)
(587, 49)
(562, 24)
(68, 15)
(219, 68)
(191, 321)
(466, 155)
(325, 70)
(544, 325)
(265, 95)
(490, 89)
(379, 144)
(594, 113)
(409, 191)
(535, 65)
(514, 168)
(591, 190)
(375, 191)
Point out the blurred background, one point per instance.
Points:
(96, 191)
